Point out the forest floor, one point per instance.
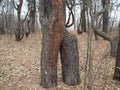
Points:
(20, 64)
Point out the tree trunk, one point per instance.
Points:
(105, 15)
(70, 59)
(114, 46)
(82, 25)
(52, 37)
(32, 14)
(117, 65)
(19, 33)
(2, 26)
(83, 17)
(53, 26)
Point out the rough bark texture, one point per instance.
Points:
(52, 37)
(70, 59)
(114, 46)
(117, 65)
(105, 15)
(2, 28)
(82, 25)
(83, 17)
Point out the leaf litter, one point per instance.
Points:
(20, 64)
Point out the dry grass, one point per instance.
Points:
(20, 64)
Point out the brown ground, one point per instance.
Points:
(20, 64)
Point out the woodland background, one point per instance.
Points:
(95, 23)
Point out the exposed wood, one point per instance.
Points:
(52, 37)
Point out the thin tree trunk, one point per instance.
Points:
(70, 59)
(83, 17)
(114, 46)
(2, 28)
(19, 33)
(117, 65)
(82, 24)
(105, 15)
(32, 14)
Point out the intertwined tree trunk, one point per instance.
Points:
(55, 39)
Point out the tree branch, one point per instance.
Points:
(15, 5)
(96, 30)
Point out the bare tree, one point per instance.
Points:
(32, 9)
(2, 26)
(83, 16)
(19, 31)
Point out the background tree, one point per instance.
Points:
(117, 64)
(2, 27)
(83, 16)
(32, 9)
(19, 33)
(106, 4)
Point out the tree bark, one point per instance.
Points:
(70, 59)
(53, 26)
(117, 65)
(52, 37)
(2, 29)
(114, 46)
(105, 15)
(83, 17)
(82, 25)
(19, 33)
(32, 8)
